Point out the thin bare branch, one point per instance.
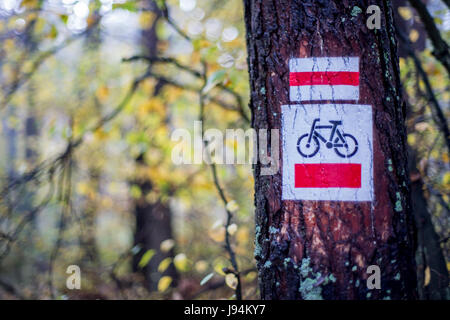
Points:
(441, 49)
(442, 121)
(220, 190)
(21, 80)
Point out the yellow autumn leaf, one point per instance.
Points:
(148, 85)
(231, 280)
(154, 105)
(102, 93)
(91, 20)
(445, 157)
(232, 228)
(164, 283)
(422, 126)
(164, 264)
(411, 139)
(242, 235)
(172, 94)
(232, 206)
(201, 266)
(146, 19)
(219, 264)
(100, 134)
(161, 133)
(402, 63)
(30, 4)
(82, 188)
(181, 262)
(251, 276)
(167, 245)
(217, 234)
(405, 13)
(159, 174)
(27, 66)
(413, 35)
(135, 192)
(162, 45)
(446, 179)
(427, 277)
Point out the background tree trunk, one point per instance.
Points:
(153, 220)
(429, 251)
(321, 249)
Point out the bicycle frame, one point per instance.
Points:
(333, 128)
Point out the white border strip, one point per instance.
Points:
(323, 92)
(335, 64)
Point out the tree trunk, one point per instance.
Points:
(153, 226)
(153, 220)
(311, 249)
(429, 251)
(88, 239)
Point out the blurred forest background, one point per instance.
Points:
(90, 93)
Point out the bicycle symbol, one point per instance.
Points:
(345, 145)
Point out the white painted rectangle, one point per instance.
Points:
(332, 64)
(323, 92)
(356, 125)
(324, 78)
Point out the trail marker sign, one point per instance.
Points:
(327, 152)
(324, 78)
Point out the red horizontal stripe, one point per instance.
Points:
(323, 78)
(328, 175)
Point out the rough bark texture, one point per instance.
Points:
(297, 240)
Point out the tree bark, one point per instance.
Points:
(321, 249)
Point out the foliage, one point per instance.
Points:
(81, 101)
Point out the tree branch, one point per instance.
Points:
(238, 290)
(442, 121)
(197, 74)
(20, 81)
(441, 49)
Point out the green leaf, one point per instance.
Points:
(146, 257)
(130, 6)
(164, 264)
(214, 79)
(64, 18)
(135, 191)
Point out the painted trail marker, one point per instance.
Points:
(327, 152)
(324, 78)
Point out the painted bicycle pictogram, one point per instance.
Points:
(345, 145)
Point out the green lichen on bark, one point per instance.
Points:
(273, 230)
(258, 249)
(311, 282)
(398, 203)
(356, 11)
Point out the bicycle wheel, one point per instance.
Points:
(307, 149)
(349, 148)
